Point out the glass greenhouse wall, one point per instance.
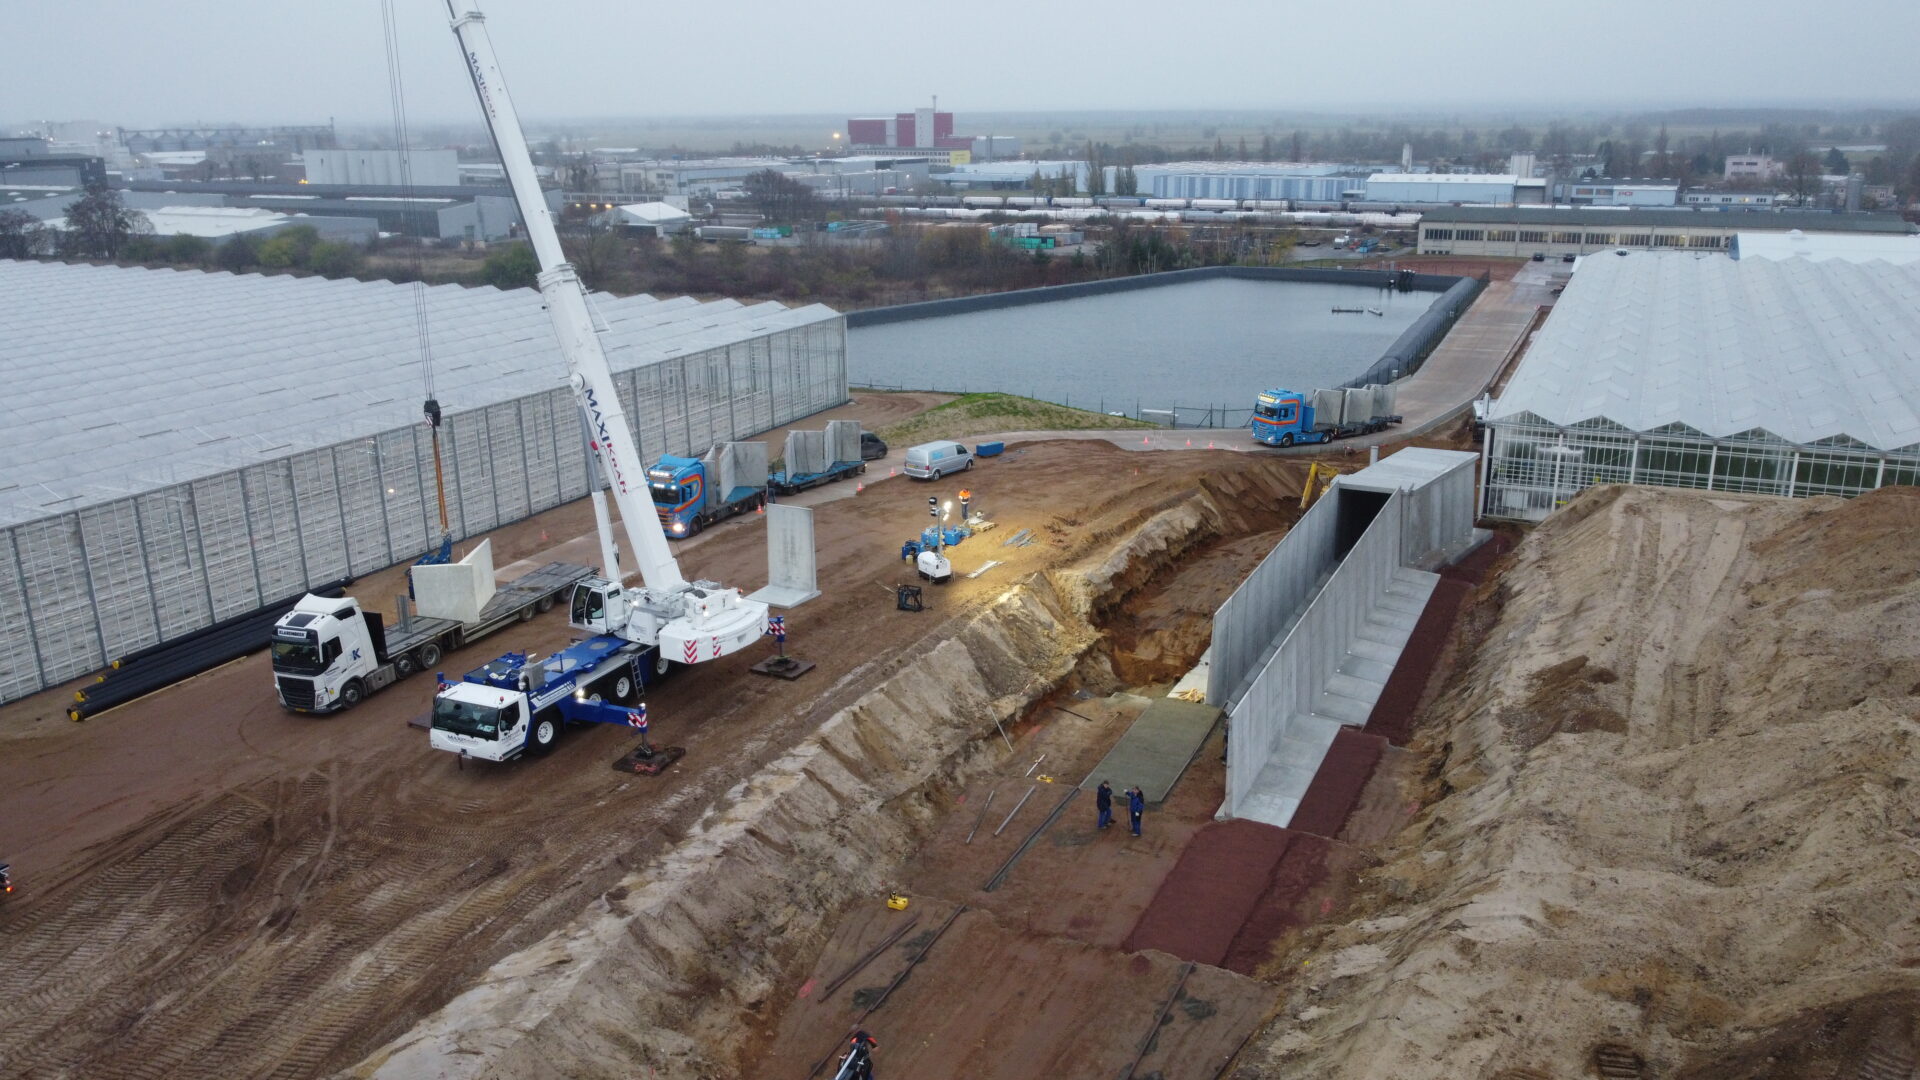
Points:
(79, 589)
(1535, 467)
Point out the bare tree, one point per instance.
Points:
(1803, 175)
(100, 226)
(22, 236)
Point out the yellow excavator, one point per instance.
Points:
(1319, 479)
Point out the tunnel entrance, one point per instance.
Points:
(1356, 510)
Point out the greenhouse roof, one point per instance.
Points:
(1805, 350)
(121, 380)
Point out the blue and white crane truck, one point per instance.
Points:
(329, 654)
(516, 704)
(520, 704)
(691, 493)
(1289, 418)
(813, 458)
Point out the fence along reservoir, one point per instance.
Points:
(1196, 345)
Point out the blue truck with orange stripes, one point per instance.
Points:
(691, 493)
(1291, 418)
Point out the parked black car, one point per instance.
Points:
(872, 447)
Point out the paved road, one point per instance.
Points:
(1459, 370)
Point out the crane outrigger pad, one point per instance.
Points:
(642, 761)
(784, 667)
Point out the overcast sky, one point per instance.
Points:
(142, 62)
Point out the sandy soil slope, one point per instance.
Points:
(1669, 824)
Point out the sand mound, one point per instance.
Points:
(1671, 827)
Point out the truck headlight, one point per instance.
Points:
(679, 526)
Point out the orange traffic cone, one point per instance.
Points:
(1143, 440)
(859, 487)
(1189, 444)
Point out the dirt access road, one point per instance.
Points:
(214, 888)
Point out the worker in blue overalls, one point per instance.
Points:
(1103, 802)
(1136, 805)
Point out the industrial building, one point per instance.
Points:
(243, 437)
(1553, 232)
(220, 222)
(1012, 175)
(30, 162)
(435, 213)
(1305, 182)
(1608, 192)
(1773, 376)
(1442, 187)
(1715, 199)
(701, 176)
(383, 168)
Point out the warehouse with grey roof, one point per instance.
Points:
(181, 447)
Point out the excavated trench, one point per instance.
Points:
(681, 967)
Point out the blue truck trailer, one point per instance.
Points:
(813, 458)
(789, 483)
(1290, 418)
(691, 493)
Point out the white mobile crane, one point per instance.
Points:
(685, 621)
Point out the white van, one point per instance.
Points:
(931, 461)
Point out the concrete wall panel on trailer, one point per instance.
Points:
(1329, 406)
(1289, 683)
(125, 573)
(1245, 626)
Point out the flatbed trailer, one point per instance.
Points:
(784, 484)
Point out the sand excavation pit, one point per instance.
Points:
(1035, 977)
(212, 887)
(1664, 814)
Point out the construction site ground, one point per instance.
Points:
(212, 887)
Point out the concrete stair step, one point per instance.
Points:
(1344, 709)
(1361, 667)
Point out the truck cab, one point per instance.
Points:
(520, 704)
(325, 653)
(1282, 418)
(679, 489)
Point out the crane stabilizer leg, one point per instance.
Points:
(690, 622)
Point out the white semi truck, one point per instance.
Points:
(329, 654)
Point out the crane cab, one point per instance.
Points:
(598, 607)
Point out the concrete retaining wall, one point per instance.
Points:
(1308, 656)
(1246, 626)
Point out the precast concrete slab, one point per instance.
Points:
(1156, 749)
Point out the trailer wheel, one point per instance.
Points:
(351, 694)
(546, 732)
(428, 654)
(526, 613)
(544, 604)
(1287, 439)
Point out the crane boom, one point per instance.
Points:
(587, 368)
(684, 622)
